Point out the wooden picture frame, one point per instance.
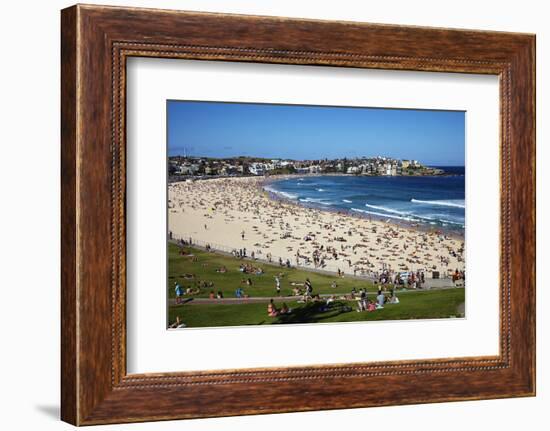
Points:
(95, 43)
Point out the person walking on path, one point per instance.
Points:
(179, 292)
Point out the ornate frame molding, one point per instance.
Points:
(96, 41)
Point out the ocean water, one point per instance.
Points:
(433, 201)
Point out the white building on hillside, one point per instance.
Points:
(257, 168)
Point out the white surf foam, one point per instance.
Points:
(456, 203)
(409, 217)
(278, 192)
(317, 201)
(379, 214)
(390, 210)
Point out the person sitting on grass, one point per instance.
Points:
(285, 309)
(272, 311)
(380, 300)
(239, 292)
(219, 295)
(222, 270)
(394, 299)
(211, 295)
(179, 292)
(177, 324)
(370, 305)
(191, 291)
(328, 304)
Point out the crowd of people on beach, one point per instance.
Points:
(238, 214)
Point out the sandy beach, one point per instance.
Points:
(236, 214)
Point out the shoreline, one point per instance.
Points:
(458, 234)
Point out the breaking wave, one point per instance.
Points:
(379, 214)
(280, 193)
(455, 203)
(317, 201)
(389, 210)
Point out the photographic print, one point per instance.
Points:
(293, 214)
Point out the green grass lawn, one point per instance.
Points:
(413, 304)
(204, 269)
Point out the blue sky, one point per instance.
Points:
(215, 129)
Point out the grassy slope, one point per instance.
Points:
(418, 305)
(413, 305)
(262, 285)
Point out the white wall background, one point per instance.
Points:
(29, 215)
